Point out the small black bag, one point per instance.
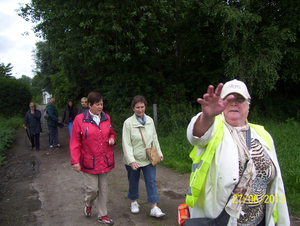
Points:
(221, 220)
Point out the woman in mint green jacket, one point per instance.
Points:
(135, 157)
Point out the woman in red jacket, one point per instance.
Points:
(91, 151)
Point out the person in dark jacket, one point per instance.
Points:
(84, 105)
(69, 115)
(91, 152)
(33, 120)
(53, 122)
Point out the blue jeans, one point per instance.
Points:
(149, 172)
(53, 135)
(70, 127)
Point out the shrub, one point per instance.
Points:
(15, 97)
(7, 134)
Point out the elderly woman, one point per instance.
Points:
(235, 174)
(135, 157)
(84, 105)
(91, 151)
(33, 120)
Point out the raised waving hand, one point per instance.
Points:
(212, 105)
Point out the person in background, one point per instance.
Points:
(243, 162)
(91, 152)
(53, 122)
(84, 105)
(69, 114)
(33, 120)
(135, 157)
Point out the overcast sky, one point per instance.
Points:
(16, 48)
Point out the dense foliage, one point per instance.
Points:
(168, 51)
(7, 134)
(15, 97)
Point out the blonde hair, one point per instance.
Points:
(32, 105)
(84, 99)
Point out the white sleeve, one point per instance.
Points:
(199, 141)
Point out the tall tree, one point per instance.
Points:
(45, 66)
(25, 79)
(5, 71)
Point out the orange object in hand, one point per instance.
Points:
(183, 213)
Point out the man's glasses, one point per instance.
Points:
(240, 99)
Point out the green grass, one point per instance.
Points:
(287, 142)
(176, 150)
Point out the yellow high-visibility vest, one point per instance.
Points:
(202, 162)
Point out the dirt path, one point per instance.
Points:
(40, 188)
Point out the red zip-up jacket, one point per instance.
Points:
(89, 144)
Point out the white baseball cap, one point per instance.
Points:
(235, 86)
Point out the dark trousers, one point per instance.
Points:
(53, 135)
(35, 141)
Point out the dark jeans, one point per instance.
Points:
(149, 172)
(35, 141)
(53, 135)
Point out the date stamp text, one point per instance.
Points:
(255, 199)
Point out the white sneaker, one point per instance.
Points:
(135, 207)
(156, 212)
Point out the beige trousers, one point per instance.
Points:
(96, 186)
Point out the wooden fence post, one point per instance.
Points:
(155, 114)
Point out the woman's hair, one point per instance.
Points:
(138, 99)
(84, 99)
(94, 97)
(32, 105)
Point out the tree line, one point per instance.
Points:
(168, 50)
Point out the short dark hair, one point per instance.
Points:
(94, 97)
(138, 99)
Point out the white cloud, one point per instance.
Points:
(15, 47)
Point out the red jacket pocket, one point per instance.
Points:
(110, 160)
(88, 162)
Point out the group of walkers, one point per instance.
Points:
(92, 139)
(232, 159)
(33, 121)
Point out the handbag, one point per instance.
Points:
(223, 218)
(151, 152)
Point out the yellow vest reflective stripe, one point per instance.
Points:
(202, 162)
